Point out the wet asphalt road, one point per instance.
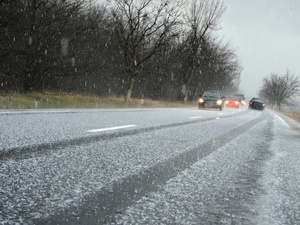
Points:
(157, 166)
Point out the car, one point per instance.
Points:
(232, 101)
(257, 103)
(241, 98)
(211, 99)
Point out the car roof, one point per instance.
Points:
(256, 98)
(212, 91)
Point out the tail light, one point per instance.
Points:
(250, 103)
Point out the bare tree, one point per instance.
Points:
(201, 18)
(280, 89)
(143, 27)
(219, 69)
(76, 46)
(225, 68)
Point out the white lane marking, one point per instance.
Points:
(278, 117)
(110, 128)
(195, 117)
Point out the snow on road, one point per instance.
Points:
(254, 179)
(235, 183)
(280, 203)
(221, 189)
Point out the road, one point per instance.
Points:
(149, 166)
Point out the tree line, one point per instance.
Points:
(142, 48)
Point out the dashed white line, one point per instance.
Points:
(110, 128)
(195, 117)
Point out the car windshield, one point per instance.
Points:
(240, 96)
(257, 100)
(211, 94)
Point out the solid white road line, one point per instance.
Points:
(110, 128)
(278, 117)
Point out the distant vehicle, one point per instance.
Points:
(257, 103)
(211, 99)
(232, 101)
(241, 98)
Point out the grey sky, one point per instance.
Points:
(266, 36)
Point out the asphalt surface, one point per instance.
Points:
(149, 166)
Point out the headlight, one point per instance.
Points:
(226, 102)
(219, 102)
(237, 102)
(201, 100)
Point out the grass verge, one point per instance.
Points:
(294, 114)
(67, 100)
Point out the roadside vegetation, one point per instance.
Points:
(68, 100)
(294, 114)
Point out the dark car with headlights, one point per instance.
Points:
(257, 103)
(211, 99)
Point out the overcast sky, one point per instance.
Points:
(266, 36)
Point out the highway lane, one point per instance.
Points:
(148, 173)
(41, 127)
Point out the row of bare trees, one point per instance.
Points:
(143, 48)
(280, 89)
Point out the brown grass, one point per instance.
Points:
(69, 100)
(295, 114)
